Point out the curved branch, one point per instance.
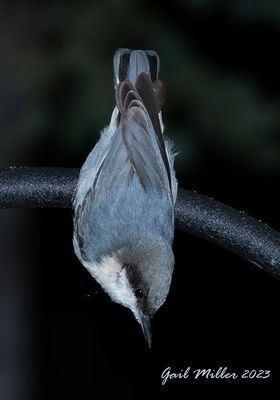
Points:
(196, 214)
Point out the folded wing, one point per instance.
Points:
(142, 133)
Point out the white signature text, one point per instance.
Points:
(221, 373)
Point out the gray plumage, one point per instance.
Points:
(124, 201)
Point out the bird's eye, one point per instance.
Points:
(139, 293)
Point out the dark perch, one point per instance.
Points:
(194, 213)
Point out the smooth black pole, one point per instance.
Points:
(37, 187)
(229, 228)
(194, 213)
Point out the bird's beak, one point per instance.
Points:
(146, 328)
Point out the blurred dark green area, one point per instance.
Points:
(219, 62)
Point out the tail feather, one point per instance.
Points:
(129, 64)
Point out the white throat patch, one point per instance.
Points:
(111, 275)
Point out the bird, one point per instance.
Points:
(124, 200)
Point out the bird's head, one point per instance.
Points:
(138, 276)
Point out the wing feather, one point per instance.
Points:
(142, 133)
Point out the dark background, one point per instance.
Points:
(220, 64)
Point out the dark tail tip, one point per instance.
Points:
(129, 64)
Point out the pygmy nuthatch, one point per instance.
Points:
(124, 200)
